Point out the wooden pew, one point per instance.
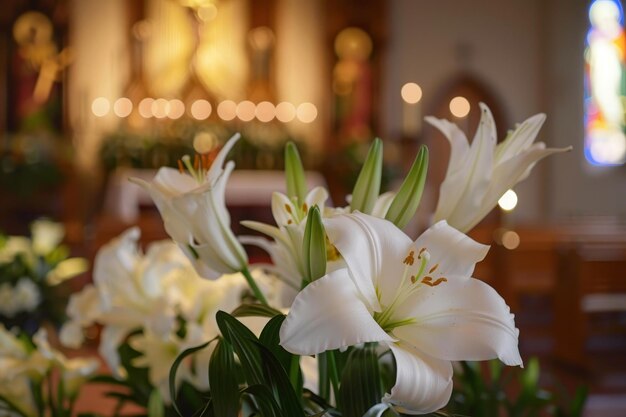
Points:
(591, 281)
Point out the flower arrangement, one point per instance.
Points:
(384, 316)
(31, 271)
(353, 318)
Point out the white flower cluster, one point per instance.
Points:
(161, 294)
(24, 368)
(23, 297)
(377, 285)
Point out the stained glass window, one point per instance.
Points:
(605, 84)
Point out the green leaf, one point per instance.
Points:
(315, 401)
(174, 369)
(294, 172)
(314, 246)
(137, 377)
(367, 185)
(495, 369)
(265, 400)
(259, 364)
(255, 310)
(320, 414)
(578, 403)
(155, 404)
(361, 386)
(223, 381)
(10, 406)
(530, 378)
(279, 381)
(107, 379)
(244, 344)
(407, 200)
(377, 411)
(270, 338)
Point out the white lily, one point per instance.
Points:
(129, 293)
(478, 174)
(46, 235)
(159, 354)
(20, 367)
(288, 235)
(152, 293)
(417, 297)
(194, 213)
(74, 372)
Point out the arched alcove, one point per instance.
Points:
(475, 91)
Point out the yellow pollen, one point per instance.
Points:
(289, 221)
(305, 208)
(332, 254)
(419, 255)
(181, 167)
(288, 208)
(429, 281)
(409, 260)
(433, 268)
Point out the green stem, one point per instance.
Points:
(334, 375)
(324, 380)
(255, 288)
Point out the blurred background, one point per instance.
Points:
(92, 92)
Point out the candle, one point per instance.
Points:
(411, 110)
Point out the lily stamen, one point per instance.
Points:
(429, 281)
(409, 260)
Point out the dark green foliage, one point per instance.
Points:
(510, 392)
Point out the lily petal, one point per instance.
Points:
(110, 339)
(172, 183)
(459, 145)
(382, 204)
(216, 167)
(454, 252)
(458, 166)
(520, 139)
(385, 245)
(477, 179)
(317, 197)
(423, 383)
(329, 314)
(461, 320)
(505, 176)
(280, 206)
(271, 231)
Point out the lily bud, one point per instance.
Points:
(367, 185)
(408, 198)
(314, 246)
(294, 172)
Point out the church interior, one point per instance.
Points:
(96, 92)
